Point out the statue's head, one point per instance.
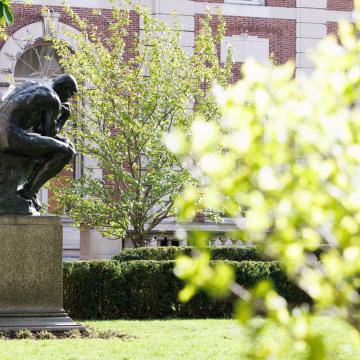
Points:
(65, 86)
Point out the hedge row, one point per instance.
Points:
(232, 253)
(149, 289)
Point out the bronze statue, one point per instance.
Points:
(31, 151)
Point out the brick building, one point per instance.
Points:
(281, 29)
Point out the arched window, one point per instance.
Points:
(38, 62)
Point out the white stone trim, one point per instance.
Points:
(311, 31)
(15, 46)
(245, 2)
(44, 196)
(311, 28)
(245, 47)
(91, 167)
(318, 4)
(311, 15)
(186, 22)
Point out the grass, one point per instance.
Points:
(170, 340)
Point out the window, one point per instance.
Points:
(245, 2)
(39, 62)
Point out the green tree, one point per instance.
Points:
(286, 151)
(127, 104)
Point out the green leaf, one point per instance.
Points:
(2, 18)
(9, 17)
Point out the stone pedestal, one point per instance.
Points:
(31, 280)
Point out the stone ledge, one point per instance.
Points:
(29, 220)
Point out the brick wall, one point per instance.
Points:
(281, 3)
(280, 32)
(332, 27)
(27, 14)
(342, 5)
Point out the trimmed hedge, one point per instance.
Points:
(232, 253)
(149, 289)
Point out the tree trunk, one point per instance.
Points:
(138, 239)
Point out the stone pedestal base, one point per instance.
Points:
(55, 322)
(31, 281)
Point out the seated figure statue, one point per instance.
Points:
(31, 151)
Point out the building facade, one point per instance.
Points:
(280, 30)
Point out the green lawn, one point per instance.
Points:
(169, 339)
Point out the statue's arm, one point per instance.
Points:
(64, 116)
(44, 100)
(49, 124)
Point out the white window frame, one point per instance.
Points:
(246, 2)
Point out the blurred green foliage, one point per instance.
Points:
(284, 162)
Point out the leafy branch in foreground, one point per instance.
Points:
(290, 155)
